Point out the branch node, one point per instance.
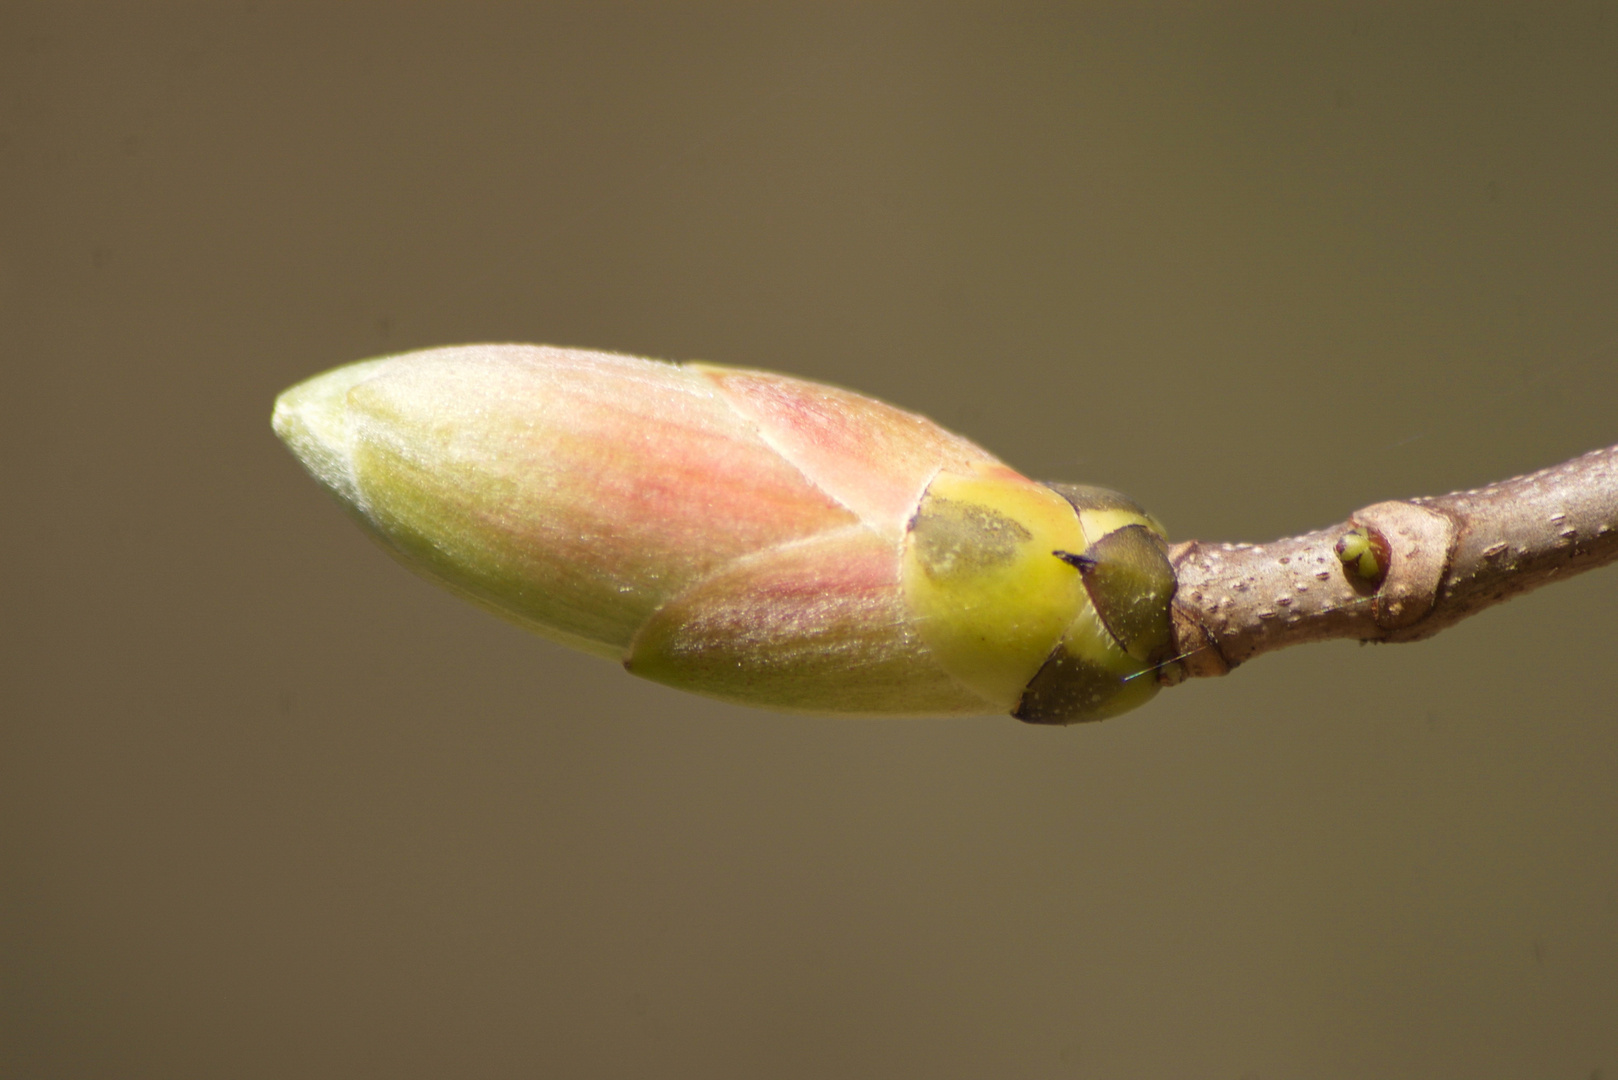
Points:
(1199, 652)
(1420, 544)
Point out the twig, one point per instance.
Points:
(1447, 557)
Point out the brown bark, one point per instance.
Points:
(1449, 557)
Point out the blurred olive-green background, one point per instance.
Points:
(271, 807)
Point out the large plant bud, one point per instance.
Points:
(742, 534)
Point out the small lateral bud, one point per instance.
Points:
(1364, 553)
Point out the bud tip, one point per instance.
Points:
(312, 419)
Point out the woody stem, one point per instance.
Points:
(1449, 556)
